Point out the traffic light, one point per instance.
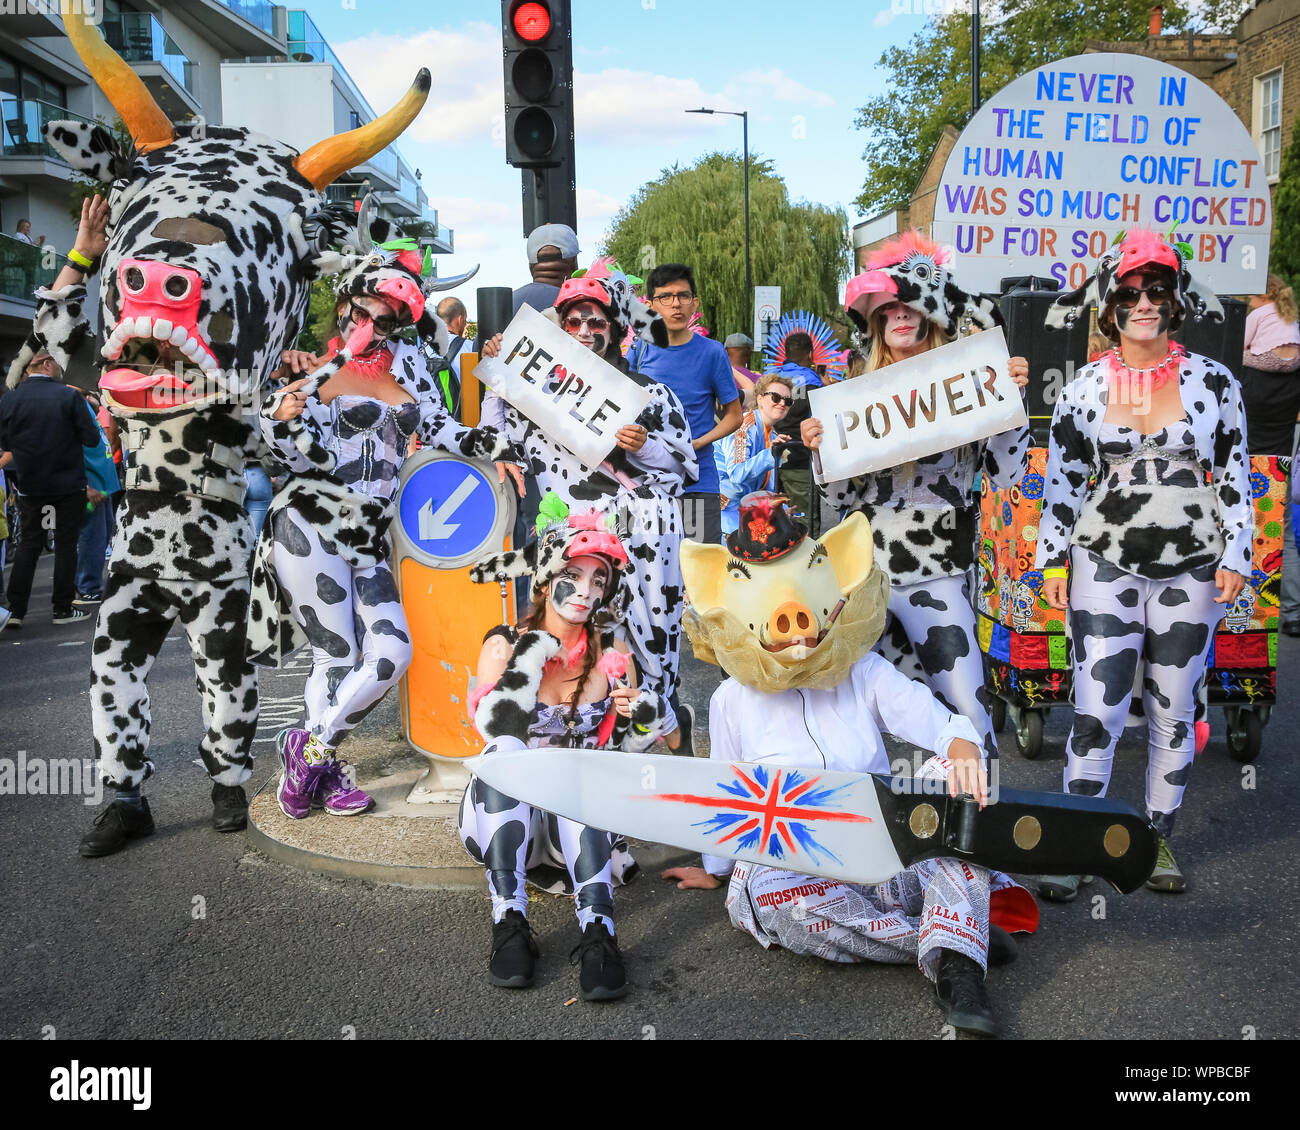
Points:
(538, 59)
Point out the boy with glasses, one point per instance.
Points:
(698, 371)
(746, 462)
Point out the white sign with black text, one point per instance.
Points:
(577, 398)
(936, 401)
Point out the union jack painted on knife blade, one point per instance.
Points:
(761, 809)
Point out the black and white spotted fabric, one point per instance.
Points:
(930, 636)
(922, 518)
(1117, 618)
(1212, 399)
(134, 619)
(641, 490)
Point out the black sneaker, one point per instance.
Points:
(84, 598)
(959, 987)
(1002, 946)
(514, 952)
(686, 724)
(72, 616)
(114, 826)
(229, 808)
(602, 977)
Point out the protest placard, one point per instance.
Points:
(936, 401)
(576, 397)
(1062, 159)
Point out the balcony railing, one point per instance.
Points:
(22, 121)
(139, 38)
(21, 269)
(256, 12)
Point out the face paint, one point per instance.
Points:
(577, 591)
(1146, 320)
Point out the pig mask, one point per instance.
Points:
(777, 610)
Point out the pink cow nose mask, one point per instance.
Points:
(159, 306)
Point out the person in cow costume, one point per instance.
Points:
(1147, 502)
(793, 621)
(322, 574)
(207, 248)
(641, 480)
(922, 514)
(562, 679)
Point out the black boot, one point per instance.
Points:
(514, 952)
(229, 808)
(602, 977)
(114, 826)
(1002, 947)
(959, 985)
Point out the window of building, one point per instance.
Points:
(20, 81)
(1268, 100)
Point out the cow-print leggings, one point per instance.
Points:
(510, 837)
(353, 619)
(930, 636)
(1115, 618)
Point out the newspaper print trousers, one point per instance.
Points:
(930, 636)
(932, 905)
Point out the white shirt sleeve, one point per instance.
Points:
(905, 708)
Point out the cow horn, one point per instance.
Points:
(325, 160)
(451, 282)
(364, 214)
(149, 126)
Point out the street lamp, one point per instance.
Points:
(749, 270)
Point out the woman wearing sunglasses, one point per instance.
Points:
(639, 481)
(1147, 499)
(922, 514)
(746, 460)
(321, 575)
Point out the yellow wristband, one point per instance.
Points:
(78, 259)
(1054, 574)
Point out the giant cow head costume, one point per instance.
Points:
(213, 240)
(776, 609)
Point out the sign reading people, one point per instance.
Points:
(577, 398)
(1063, 159)
(933, 402)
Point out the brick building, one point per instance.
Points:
(1256, 70)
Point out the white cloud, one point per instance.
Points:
(468, 211)
(885, 17)
(775, 84)
(596, 205)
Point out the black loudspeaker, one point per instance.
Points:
(495, 309)
(1223, 341)
(1054, 356)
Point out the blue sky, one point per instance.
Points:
(800, 70)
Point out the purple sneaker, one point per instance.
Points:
(298, 780)
(338, 791)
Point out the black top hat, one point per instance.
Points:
(767, 529)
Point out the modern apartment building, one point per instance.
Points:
(225, 62)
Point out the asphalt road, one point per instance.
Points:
(191, 934)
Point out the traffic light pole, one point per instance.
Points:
(550, 195)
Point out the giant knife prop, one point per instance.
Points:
(860, 827)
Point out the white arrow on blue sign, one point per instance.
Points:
(449, 509)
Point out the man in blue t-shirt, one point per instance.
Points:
(698, 370)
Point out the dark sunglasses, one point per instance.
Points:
(573, 323)
(777, 398)
(384, 324)
(1130, 296)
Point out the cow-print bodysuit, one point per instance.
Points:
(1144, 542)
(512, 838)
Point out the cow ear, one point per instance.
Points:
(851, 551)
(704, 569)
(87, 148)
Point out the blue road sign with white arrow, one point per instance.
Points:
(449, 509)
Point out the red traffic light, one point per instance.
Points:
(532, 22)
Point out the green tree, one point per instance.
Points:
(1284, 254)
(696, 216)
(928, 80)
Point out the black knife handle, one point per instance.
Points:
(1026, 832)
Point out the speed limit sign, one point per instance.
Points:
(767, 312)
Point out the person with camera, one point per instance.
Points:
(747, 460)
